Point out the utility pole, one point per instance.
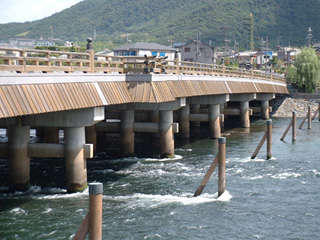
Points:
(266, 54)
(225, 29)
(309, 36)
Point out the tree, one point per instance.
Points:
(307, 67)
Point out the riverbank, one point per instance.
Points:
(285, 106)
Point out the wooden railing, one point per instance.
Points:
(46, 61)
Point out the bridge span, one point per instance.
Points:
(82, 94)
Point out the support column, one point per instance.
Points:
(76, 164)
(195, 108)
(154, 117)
(184, 123)
(91, 136)
(51, 135)
(19, 162)
(214, 120)
(166, 135)
(244, 114)
(222, 106)
(127, 133)
(265, 110)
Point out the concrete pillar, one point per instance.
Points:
(244, 114)
(166, 135)
(51, 135)
(214, 120)
(195, 108)
(76, 164)
(222, 106)
(91, 136)
(154, 117)
(265, 109)
(184, 123)
(127, 133)
(19, 162)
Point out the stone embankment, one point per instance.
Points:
(284, 107)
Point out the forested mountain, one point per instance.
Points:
(178, 20)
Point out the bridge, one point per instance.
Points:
(84, 93)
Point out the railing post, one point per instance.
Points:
(177, 61)
(221, 166)
(95, 211)
(91, 54)
(269, 139)
(294, 126)
(309, 117)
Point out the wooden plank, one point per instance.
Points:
(41, 95)
(38, 99)
(4, 105)
(259, 146)
(48, 98)
(63, 96)
(207, 176)
(56, 97)
(20, 100)
(83, 229)
(26, 91)
(17, 101)
(24, 99)
(10, 101)
(66, 93)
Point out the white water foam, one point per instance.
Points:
(286, 175)
(175, 158)
(153, 201)
(47, 210)
(18, 211)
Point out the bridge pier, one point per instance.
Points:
(76, 164)
(195, 109)
(184, 122)
(265, 98)
(91, 136)
(127, 133)
(244, 107)
(166, 134)
(19, 162)
(214, 120)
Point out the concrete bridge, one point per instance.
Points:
(83, 93)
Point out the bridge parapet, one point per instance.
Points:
(46, 61)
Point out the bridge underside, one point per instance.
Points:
(82, 104)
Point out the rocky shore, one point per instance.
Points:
(285, 106)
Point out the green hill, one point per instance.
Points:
(163, 20)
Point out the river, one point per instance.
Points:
(148, 198)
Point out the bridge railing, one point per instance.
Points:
(32, 60)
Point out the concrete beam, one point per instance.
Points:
(164, 106)
(265, 96)
(54, 150)
(72, 118)
(242, 97)
(209, 99)
(235, 111)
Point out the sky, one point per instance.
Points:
(30, 10)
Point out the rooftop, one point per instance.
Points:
(144, 46)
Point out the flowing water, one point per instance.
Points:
(148, 198)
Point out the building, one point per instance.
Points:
(245, 59)
(141, 49)
(196, 52)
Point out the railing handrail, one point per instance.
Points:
(26, 62)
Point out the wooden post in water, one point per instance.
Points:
(309, 117)
(95, 211)
(221, 166)
(92, 223)
(319, 111)
(269, 139)
(294, 126)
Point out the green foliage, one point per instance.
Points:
(180, 20)
(307, 67)
(62, 48)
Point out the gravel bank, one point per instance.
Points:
(285, 108)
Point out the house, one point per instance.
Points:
(196, 51)
(245, 59)
(141, 49)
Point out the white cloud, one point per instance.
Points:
(30, 10)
